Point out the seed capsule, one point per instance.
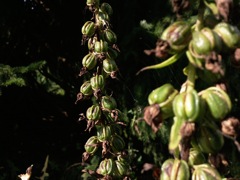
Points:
(205, 41)
(94, 113)
(107, 8)
(91, 145)
(106, 167)
(205, 171)
(89, 61)
(92, 3)
(177, 35)
(229, 34)
(101, 46)
(110, 36)
(218, 101)
(108, 103)
(186, 105)
(97, 82)
(86, 88)
(109, 66)
(196, 157)
(117, 143)
(208, 140)
(88, 28)
(104, 133)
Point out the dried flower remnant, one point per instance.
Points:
(213, 62)
(224, 9)
(161, 49)
(179, 6)
(153, 117)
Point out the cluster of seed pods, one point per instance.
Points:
(200, 115)
(98, 65)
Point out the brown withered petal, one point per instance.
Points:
(161, 49)
(235, 58)
(231, 126)
(186, 132)
(224, 9)
(218, 161)
(213, 62)
(153, 117)
(179, 6)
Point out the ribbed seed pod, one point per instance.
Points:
(109, 66)
(94, 113)
(108, 103)
(117, 143)
(101, 46)
(205, 171)
(177, 35)
(89, 61)
(104, 133)
(186, 105)
(218, 101)
(97, 82)
(91, 146)
(229, 34)
(86, 88)
(88, 28)
(106, 167)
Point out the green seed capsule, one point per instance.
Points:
(106, 167)
(208, 140)
(205, 171)
(229, 34)
(94, 113)
(110, 36)
(117, 143)
(107, 8)
(91, 145)
(88, 28)
(86, 88)
(101, 46)
(97, 82)
(177, 35)
(109, 66)
(89, 61)
(186, 105)
(104, 133)
(108, 103)
(218, 101)
(92, 3)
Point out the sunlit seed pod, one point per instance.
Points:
(110, 36)
(109, 65)
(97, 82)
(108, 103)
(86, 88)
(102, 18)
(88, 28)
(117, 143)
(218, 102)
(229, 34)
(104, 133)
(177, 35)
(186, 105)
(205, 171)
(122, 167)
(91, 146)
(180, 170)
(101, 46)
(196, 157)
(93, 3)
(163, 96)
(89, 61)
(166, 169)
(94, 113)
(205, 41)
(106, 167)
(105, 7)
